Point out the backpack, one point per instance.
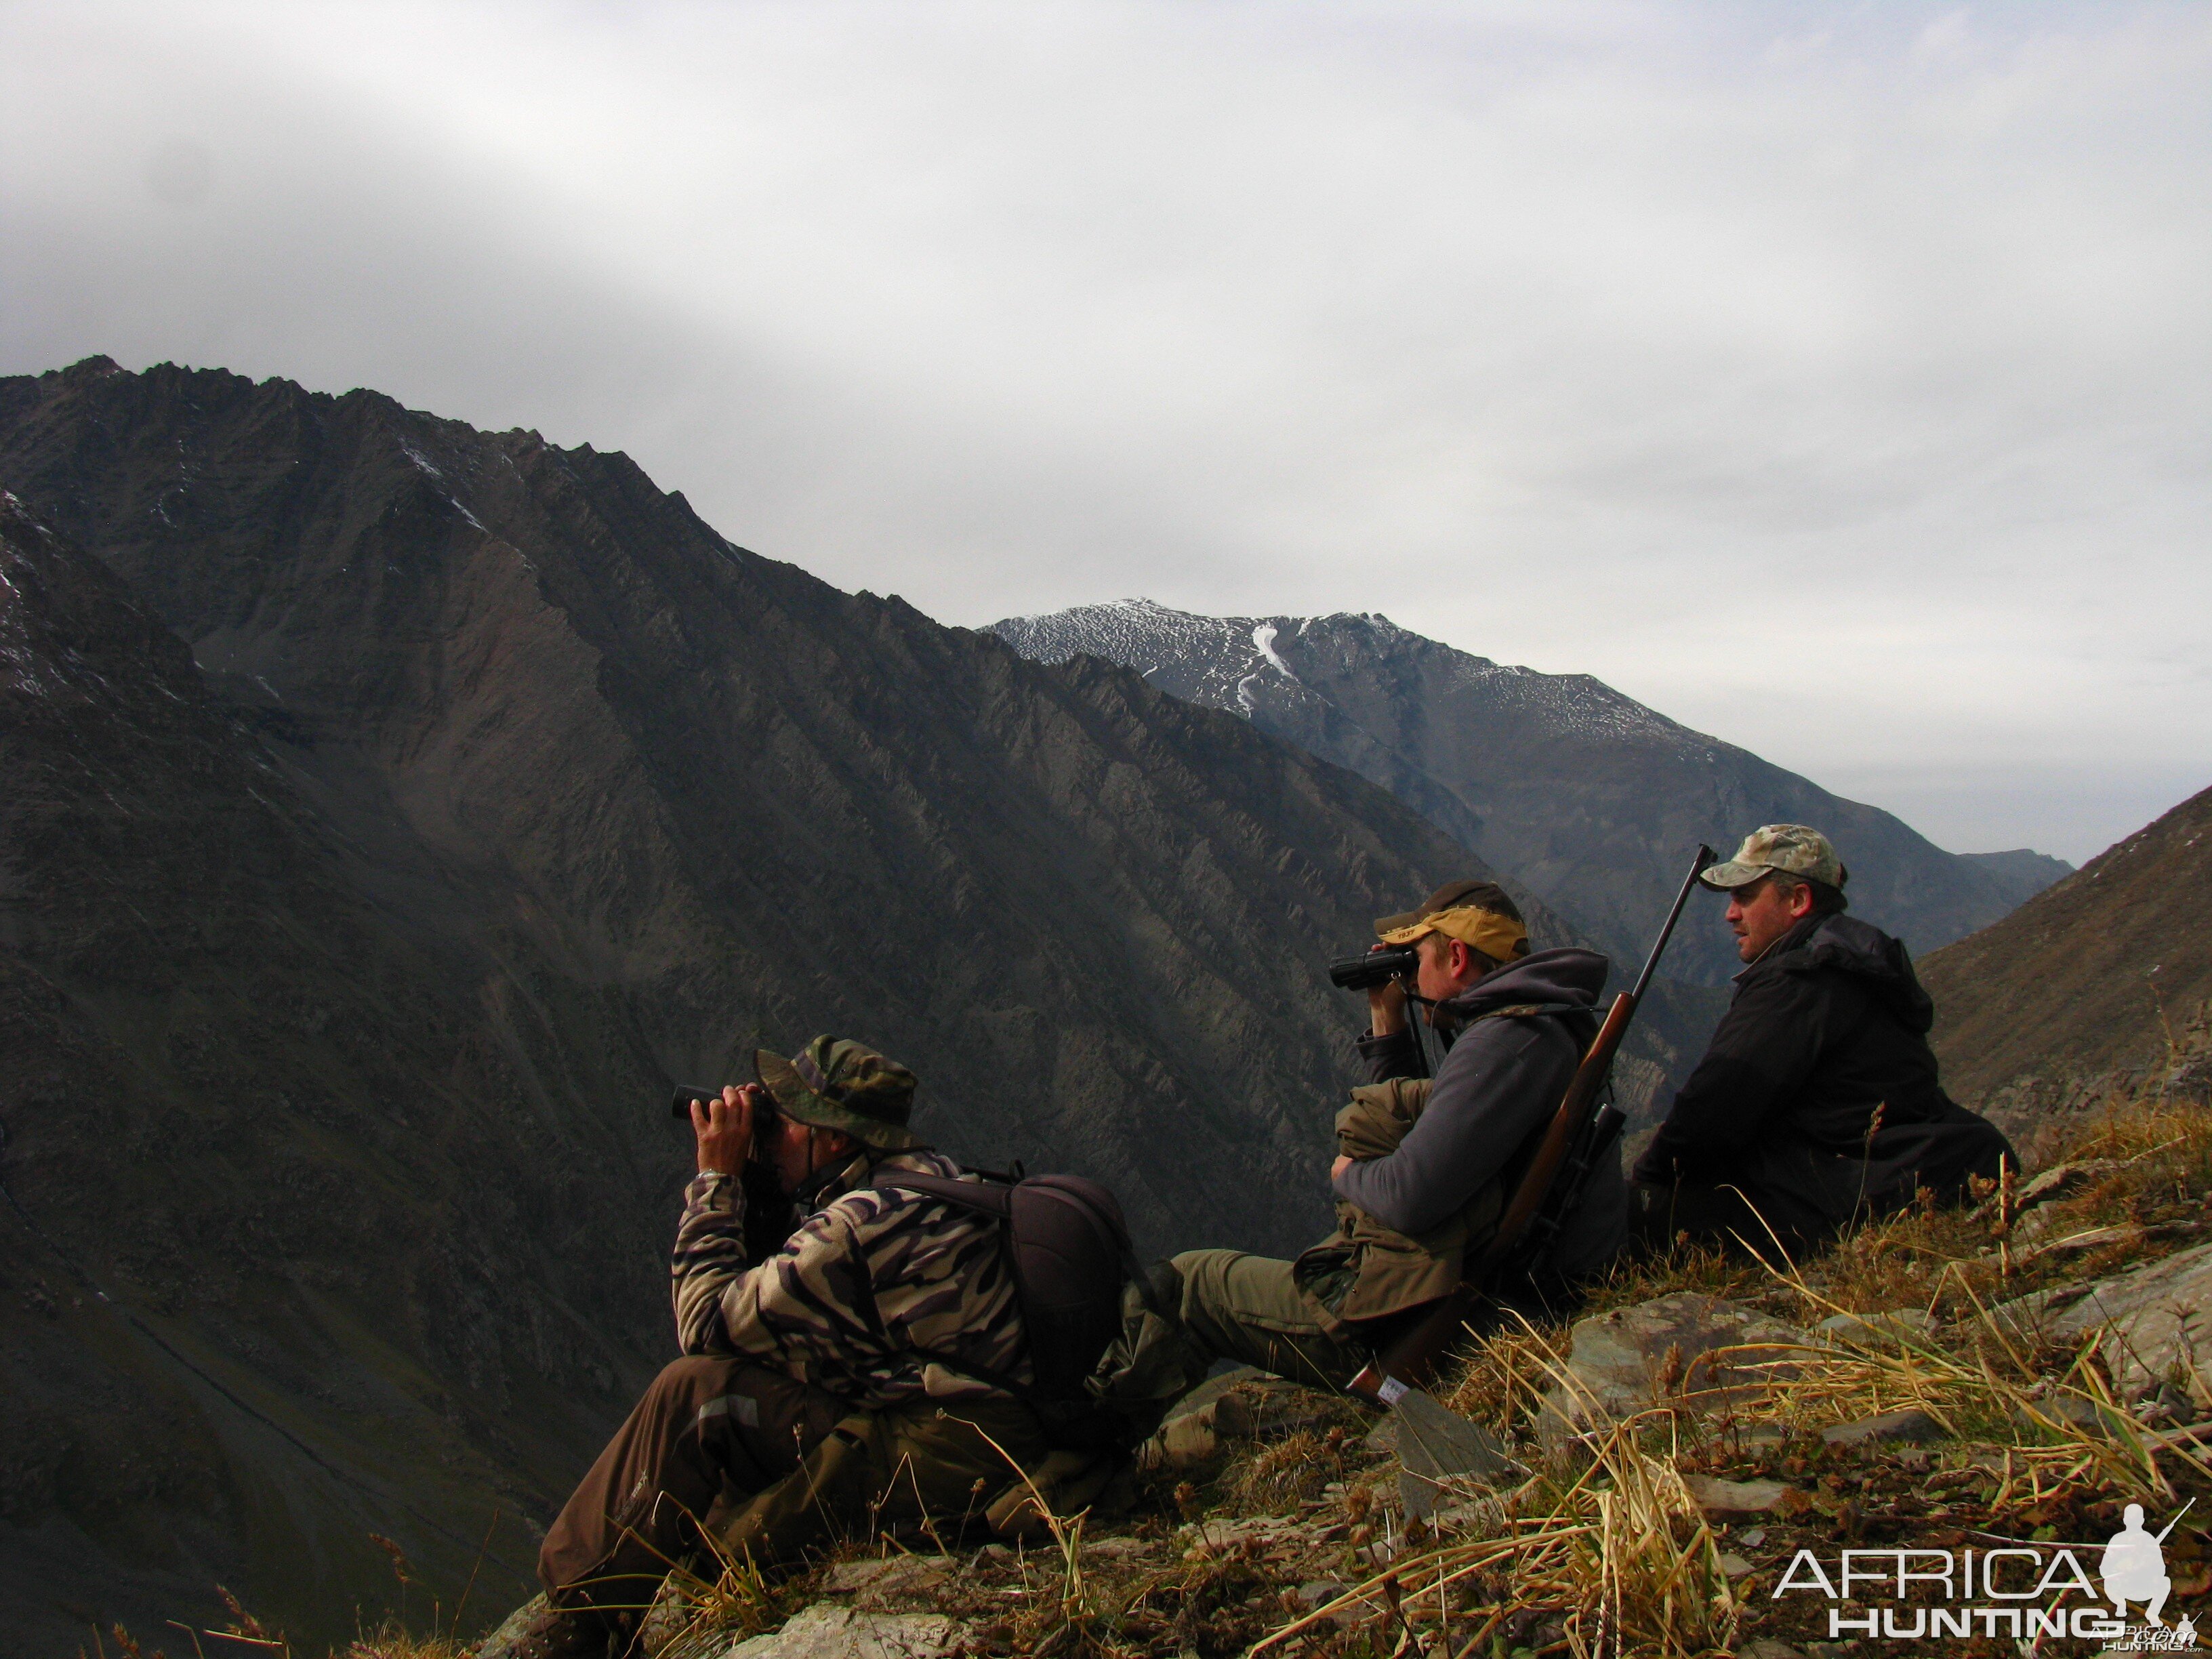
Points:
(1069, 1249)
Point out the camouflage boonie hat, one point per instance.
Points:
(1790, 847)
(835, 1082)
(1480, 915)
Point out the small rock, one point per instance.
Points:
(1906, 1427)
(1189, 1438)
(1215, 1387)
(1765, 1647)
(513, 1629)
(2154, 1319)
(1113, 1548)
(1696, 1353)
(1733, 1498)
(2057, 1181)
(888, 1574)
(2033, 1320)
(1485, 1519)
(828, 1631)
(1734, 1566)
(2081, 1243)
(1880, 1330)
(1320, 1592)
(1753, 1538)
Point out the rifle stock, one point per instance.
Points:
(1411, 1361)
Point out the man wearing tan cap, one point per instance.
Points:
(1422, 1190)
(1818, 1101)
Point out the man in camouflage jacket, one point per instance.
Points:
(854, 1376)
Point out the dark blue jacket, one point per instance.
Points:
(1830, 1024)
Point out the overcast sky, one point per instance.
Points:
(1836, 379)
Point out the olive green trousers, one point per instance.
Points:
(1247, 1310)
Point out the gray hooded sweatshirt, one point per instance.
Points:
(1498, 1085)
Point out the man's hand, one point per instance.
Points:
(725, 1128)
(1386, 1005)
(1339, 1168)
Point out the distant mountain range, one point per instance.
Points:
(1586, 797)
(391, 810)
(2103, 981)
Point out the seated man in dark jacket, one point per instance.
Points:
(1818, 1101)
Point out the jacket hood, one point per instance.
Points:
(1845, 944)
(1569, 974)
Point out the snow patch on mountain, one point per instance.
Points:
(1226, 662)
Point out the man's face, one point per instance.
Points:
(1761, 913)
(797, 1152)
(1447, 967)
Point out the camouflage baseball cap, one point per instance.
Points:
(1480, 915)
(1790, 847)
(835, 1082)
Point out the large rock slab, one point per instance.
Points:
(2154, 1323)
(1684, 1351)
(826, 1631)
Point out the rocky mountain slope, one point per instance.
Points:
(1592, 799)
(393, 809)
(2101, 982)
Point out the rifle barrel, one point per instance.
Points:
(1705, 857)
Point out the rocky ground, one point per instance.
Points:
(2007, 1376)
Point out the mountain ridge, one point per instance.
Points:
(2099, 985)
(561, 794)
(1589, 797)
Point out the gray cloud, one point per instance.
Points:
(1833, 379)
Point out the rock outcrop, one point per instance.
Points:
(1687, 1352)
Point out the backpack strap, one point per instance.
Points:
(992, 1199)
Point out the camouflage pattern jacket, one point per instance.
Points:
(868, 1300)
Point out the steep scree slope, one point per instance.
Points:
(2102, 981)
(1590, 798)
(435, 798)
(315, 1180)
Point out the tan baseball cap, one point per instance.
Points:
(1791, 848)
(1480, 915)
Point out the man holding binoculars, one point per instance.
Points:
(866, 1368)
(1424, 1165)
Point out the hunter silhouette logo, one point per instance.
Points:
(2135, 1567)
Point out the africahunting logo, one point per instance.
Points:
(2018, 1589)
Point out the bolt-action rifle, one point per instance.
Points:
(1580, 1133)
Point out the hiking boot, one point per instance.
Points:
(537, 1630)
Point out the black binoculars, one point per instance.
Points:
(1375, 968)
(763, 1110)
